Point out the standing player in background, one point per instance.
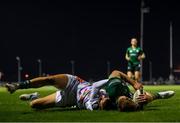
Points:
(134, 55)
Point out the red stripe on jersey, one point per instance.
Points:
(79, 79)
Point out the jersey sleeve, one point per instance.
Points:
(95, 90)
(97, 86)
(127, 51)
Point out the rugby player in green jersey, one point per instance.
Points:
(134, 55)
(120, 97)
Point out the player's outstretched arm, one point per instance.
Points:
(95, 90)
(136, 85)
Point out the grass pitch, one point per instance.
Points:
(14, 110)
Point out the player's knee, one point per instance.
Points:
(35, 104)
(32, 104)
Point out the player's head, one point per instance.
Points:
(134, 42)
(105, 103)
(126, 104)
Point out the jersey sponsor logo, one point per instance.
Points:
(133, 54)
(83, 93)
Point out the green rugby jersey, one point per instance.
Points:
(133, 53)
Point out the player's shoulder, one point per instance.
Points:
(139, 48)
(129, 48)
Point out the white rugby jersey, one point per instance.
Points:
(90, 93)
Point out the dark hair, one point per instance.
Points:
(106, 104)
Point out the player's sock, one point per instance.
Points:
(14, 86)
(24, 85)
(163, 95)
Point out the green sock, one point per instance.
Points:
(156, 96)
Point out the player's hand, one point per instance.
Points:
(144, 98)
(137, 86)
(128, 58)
(139, 58)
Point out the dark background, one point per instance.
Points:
(88, 32)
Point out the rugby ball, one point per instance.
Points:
(136, 95)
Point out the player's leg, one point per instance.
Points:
(130, 74)
(130, 71)
(67, 97)
(149, 97)
(30, 96)
(137, 74)
(63, 98)
(44, 102)
(161, 95)
(60, 81)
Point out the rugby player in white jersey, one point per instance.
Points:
(72, 91)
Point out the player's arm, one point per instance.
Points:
(142, 55)
(127, 57)
(136, 85)
(145, 98)
(95, 90)
(97, 86)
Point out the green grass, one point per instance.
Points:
(14, 110)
